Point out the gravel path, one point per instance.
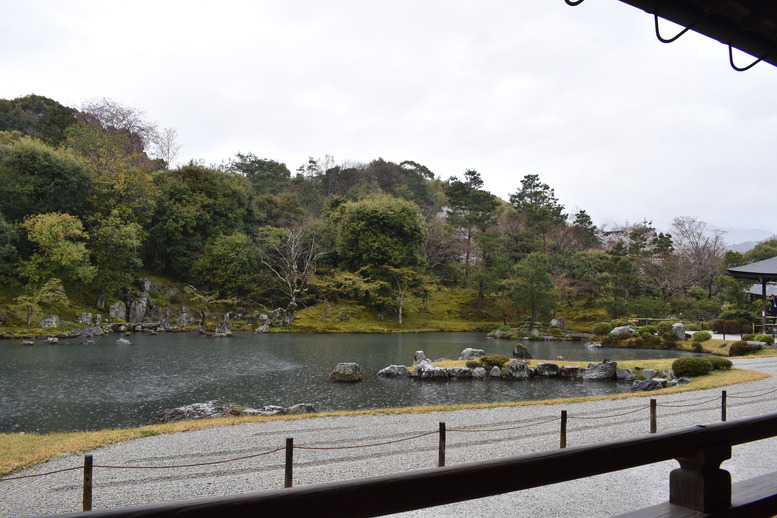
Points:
(602, 495)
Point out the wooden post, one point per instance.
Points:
(87, 495)
(287, 479)
(653, 417)
(699, 483)
(723, 406)
(563, 441)
(441, 454)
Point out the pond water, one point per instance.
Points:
(73, 386)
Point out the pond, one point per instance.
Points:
(73, 386)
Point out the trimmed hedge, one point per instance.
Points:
(741, 348)
(701, 336)
(767, 339)
(602, 328)
(691, 366)
(719, 363)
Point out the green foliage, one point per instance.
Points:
(742, 348)
(701, 336)
(649, 329)
(537, 202)
(230, 266)
(115, 248)
(763, 250)
(31, 304)
(379, 231)
(491, 360)
(601, 328)
(60, 249)
(532, 286)
(691, 366)
(37, 178)
(36, 116)
(646, 306)
(266, 176)
(719, 363)
(664, 327)
(767, 339)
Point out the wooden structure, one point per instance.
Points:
(763, 271)
(699, 487)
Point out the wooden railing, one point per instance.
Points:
(698, 485)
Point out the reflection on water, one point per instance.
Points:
(74, 386)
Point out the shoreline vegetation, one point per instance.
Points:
(21, 450)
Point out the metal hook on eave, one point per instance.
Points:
(748, 67)
(670, 40)
(574, 4)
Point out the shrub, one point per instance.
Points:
(635, 343)
(664, 327)
(648, 329)
(556, 332)
(697, 348)
(602, 328)
(491, 360)
(741, 348)
(503, 328)
(767, 339)
(691, 366)
(669, 341)
(719, 363)
(748, 338)
(701, 336)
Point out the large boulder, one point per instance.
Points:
(462, 373)
(647, 385)
(521, 352)
(546, 369)
(678, 331)
(569, 371)
(601, 371)
(479, 373)
(117, 311)
(625, 375)
(517, 370)
(425, 370)
(346, 372)
(123, 341)
(495, 372)
(196, 411)
(648, 374)
(394, 371)
(623, 331)
(300, 408)
(50, 322)
(418, 357)
(470, 354)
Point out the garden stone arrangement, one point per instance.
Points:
(481, 366)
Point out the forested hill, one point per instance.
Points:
(88, 206)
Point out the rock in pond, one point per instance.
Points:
(600, 371)
(425, 370)
(123, 341)
(470, 354)
(394, 371)
(346, 372)
(517, 369)
(521, 352)
(546, 369)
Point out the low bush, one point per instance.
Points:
(490, 360)
(556, 332)
(648, 329)
(719, 363)
(701, 336)
(742, 348)
(602, 328)
(748, 338)
(669, 341)
(664, 327)
(767, 339)
(691, 366)
(635, 343)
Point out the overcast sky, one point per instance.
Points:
(619, 124)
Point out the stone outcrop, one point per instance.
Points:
(216, 408)
(517, 369)
(462, 373)
(394, 371)
(569, 371)
(470, 354)
(425, 370)
(123, 341)
(117, 311)
(521, 352)
(625, 375)
(546, 369)
(418, 357)
(647, 385)
(600, 371)
(678, 331)
(346, 372)
(50, 322)
(623, 331)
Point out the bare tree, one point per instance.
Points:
(165, 145)
(291, 254)
(117, 118)
(703, 249)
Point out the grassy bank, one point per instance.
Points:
(21, 450)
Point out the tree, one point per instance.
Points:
(9, 254)
(702, 249)
(399, 284)
(470, 209)
(379, 231)
(115, 118)
(230, 266)
(31, 304)
(165, 146)
(60, 249)
(37, 178)
(532, 286)
(266, 176)
(763, 250)
(115, 249)
(291, 255)
(36, 116)
(537, 203)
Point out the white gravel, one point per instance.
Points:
(602, 495)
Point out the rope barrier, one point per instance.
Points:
(756, 395)
(192, 465)
(502, 429)
(41, 474)
(613, 415)
(691, 404)
(364, 445)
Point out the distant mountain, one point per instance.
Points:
(743, 239)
